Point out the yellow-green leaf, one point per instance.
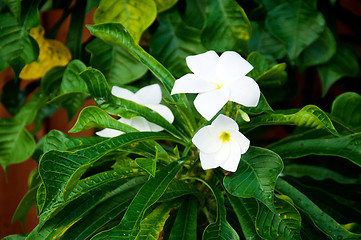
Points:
(163, 5)
(135, 15)
(52, 53)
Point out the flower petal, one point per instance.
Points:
(205, 141)
(163, 111)
(224, 122)
(243, 142)
(245, 91)
(232, 66)
(123, 93)
(213, 160)
(209, 103)
(154, 127)
(191, 83)
(107, 132)
(204, 65)
(151, 94)
(140, 123)
(232, 161)
(208, 160)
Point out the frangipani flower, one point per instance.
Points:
(218, 80)
(220, 144)
(149, 96)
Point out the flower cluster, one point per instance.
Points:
(217, 80)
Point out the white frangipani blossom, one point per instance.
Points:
(218, 79)
(149, 96)
(221, 144)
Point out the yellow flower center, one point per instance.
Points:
(225, 137)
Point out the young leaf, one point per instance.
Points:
(256, 176)
(148, 195)
(147, 164)
(220, 229)
(323, 221)
(345, 107)
(163, 5)
(283, 224)
(174, 41)
(301, 25)
(135, 15)
(226, 28)
(116, 63)
(185, 225)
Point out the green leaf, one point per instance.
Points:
(147, 164)
(57, 140)
(284, 223)
(346, 146)
(309, 116)
(177, 189)
(72, 82)
(16, 237)
(264, 74)
(297, 24)
(61, 170)
(74, 39)
(135, 15)
(194, 15)
(220, 229)
(91, 117)
(256, 176)
(344, 108)
(323, 221)
(16, 143)
(163, 5)
(24, 206)
(100, 91)
(263, 42)
(147, 196)
(226, 27)
(153, 224)
(87, 195)
(116, 34)
(317, 173)
(174, 41)
(73, 89)
(17, 47)
(320, 51)
(185, 225)
(118, 65)
(246, 211)
(104, 212)
(261, 107)
(342, 64)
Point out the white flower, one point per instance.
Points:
(149, 96)
(221, 144)
(218, 80)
